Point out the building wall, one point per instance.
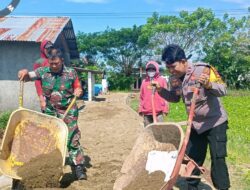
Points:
(13, 57)
(10, 92)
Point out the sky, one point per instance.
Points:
(96, 15)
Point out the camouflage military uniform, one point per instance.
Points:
(58, 90)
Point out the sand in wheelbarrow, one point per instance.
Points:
(145, 181)
(133, 173)
(44, 171)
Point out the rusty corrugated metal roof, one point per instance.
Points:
(33, 29)
(37, 29)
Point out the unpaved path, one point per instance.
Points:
(109, 129)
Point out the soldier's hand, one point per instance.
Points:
(204, 80)
(42, 102)
(78, 92)
(23, 75)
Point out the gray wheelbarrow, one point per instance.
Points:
(158, 137)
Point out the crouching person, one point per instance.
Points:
(60, 84)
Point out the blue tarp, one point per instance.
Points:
(98, 90)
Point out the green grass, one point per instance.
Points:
(134, 104)
(122, 91)
(177, 112)
(237, 105)
(238, 109)
(4, 117)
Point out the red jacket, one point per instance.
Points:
(145, 106)
(42, 62)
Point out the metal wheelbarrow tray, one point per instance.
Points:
(28, 135)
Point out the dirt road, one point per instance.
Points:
(109, 129)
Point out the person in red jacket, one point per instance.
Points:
(145, 107)
(42, 62)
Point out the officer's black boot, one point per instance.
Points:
(192, 187)
(79, 172)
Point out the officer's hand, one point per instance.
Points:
(178, 92)
(175, 82)
(204, 80)
(78, 92)
(156, 85)
(23, 75)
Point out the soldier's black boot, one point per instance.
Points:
(17, 185)
(79, 172)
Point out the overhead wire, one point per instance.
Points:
(129, 15)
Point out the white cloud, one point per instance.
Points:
(87, 1)
(242, 3)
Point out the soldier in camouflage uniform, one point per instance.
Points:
(210, 119)
(60, 84)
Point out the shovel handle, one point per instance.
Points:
(21, 94)
(69, 107)
(153, 101)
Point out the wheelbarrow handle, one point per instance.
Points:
(175, 173)
(21, 94)
(69, 107)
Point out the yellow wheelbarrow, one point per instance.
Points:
(30, 134)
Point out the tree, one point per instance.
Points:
(89, 45)
(117, 50)
(224, 43)
(229, 51)
(189, 30)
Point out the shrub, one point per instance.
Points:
(118, 81)
(4, 117)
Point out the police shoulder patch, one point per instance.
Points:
(215, 76)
